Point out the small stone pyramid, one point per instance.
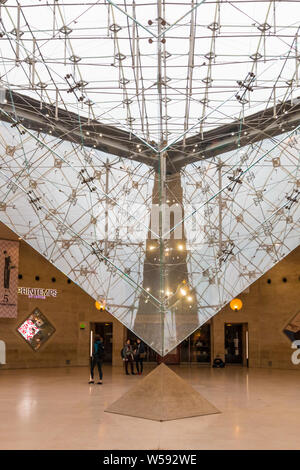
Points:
(162, 396)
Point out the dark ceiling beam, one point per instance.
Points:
(254, 128)
(71, 127)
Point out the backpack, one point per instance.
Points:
(99, 351)
(218, 363)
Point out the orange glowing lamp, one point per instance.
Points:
(236, 304)
(99, 305)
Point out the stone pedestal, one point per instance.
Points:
(162, 396)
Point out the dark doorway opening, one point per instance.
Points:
(197, 347)
(105, 330)
(237, 343)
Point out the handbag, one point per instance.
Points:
(143, 355)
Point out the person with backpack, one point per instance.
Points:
(127, 354)
(139, 356)
(97, 359)
(218, 363)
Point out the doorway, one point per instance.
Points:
(197, 347)
(105, 330)
(236, 343)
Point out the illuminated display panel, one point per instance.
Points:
(28, 330)
(36, 329)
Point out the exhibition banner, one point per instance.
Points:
(9, 263)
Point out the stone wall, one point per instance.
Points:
(267, 308)
(69, 344)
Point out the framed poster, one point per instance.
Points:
(9, 264)
(292, 329)
(36, 329)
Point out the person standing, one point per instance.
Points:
(128, 357)
(140, 354)
(97, 359)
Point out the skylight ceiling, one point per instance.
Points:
(161, 70)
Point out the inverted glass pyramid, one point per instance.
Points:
(152, 154)
(97, 218)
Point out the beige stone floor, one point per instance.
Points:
(57, 409)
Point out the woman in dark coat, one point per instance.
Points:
(128, 356)
(97, 359)
(140, 354)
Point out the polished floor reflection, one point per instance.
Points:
(57, 409)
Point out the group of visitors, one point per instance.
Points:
(130, 354)
(135, 353)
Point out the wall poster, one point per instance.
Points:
(292, 329)
(9, 264)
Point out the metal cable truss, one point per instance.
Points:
(123, 93)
